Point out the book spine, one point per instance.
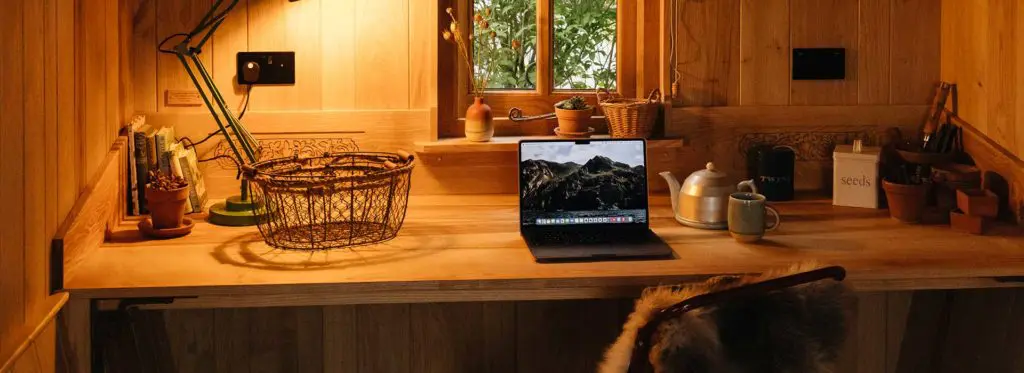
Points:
(141, 171)
(193, 195)
(163, 157)
(172, 160)
(132, 189)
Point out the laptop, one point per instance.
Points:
(586, 200)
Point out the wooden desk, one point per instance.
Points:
(468, 248)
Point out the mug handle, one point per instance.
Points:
(748, 184)
(774, 213)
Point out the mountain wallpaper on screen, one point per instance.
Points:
(599, 184)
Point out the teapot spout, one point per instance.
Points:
(673, 188)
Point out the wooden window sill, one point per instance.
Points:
(509, 144)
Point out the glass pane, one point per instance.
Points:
(505, 51)
(585, 42)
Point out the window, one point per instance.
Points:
(542, 52)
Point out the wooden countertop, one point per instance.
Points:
(469, 248)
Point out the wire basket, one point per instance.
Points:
(331, 201)
(628, 117)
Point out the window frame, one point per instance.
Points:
(454, 95)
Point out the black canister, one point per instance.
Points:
(772, 170)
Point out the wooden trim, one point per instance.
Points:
(992, 157)
(510, 144)
(626, 54)
(58, 302)
(545, 47)
(97, 209)
(786, 116)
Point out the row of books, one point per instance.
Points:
(151, 148)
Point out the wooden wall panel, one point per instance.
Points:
(12, 188)
(983, 52)
(709, 52)
(825, 24)
(277, 25)
(51, 138)
(892, 51)
(764, 52)
(914, 50)
(382, 69)
(873, 63)
(338, 34)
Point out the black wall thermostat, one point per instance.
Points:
(265, 67)
(819, 63)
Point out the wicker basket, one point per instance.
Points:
(629, 118)
(331, 201)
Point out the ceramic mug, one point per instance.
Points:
(748, 217)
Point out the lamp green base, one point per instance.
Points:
(233, 212)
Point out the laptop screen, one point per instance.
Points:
(582, 182)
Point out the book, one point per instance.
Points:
(163, 140)
(189, 166)
(136, 179)
(172, 162)
(142, 153)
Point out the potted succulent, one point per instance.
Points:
(166, 196)
(573, 115)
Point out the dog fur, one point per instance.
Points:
(795, 330)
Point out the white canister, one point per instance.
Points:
(855, 176)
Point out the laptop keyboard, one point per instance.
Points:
(586, 237)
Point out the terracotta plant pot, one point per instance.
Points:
(573, 121)
(166, 207)
(906, 202)
(479, 121)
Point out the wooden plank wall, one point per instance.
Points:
(737, 52)
(983, 52)
(931, 331)
(372, 77)
(61, 102)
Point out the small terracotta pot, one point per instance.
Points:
(906, 202)
(479, 121)
(166, 207)
(573, 121)
(978, 202)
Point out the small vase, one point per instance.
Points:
(166, 207)
(479, 121)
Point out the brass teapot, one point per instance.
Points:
(703, 199)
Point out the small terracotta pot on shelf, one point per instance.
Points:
(574, 121)
(166, 207)
(972, 224)
(906, 201)
(978, 202)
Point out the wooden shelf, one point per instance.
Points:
(510, 144)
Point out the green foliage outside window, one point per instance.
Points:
(584, 45)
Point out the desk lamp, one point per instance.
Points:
(236, 210)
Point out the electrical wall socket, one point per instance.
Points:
(265, 67)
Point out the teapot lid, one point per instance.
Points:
(709, 176)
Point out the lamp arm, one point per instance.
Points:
(238, 138)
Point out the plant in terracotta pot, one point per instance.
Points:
(573, 115)
(907, 193)
(479, 57)
(166, 196)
